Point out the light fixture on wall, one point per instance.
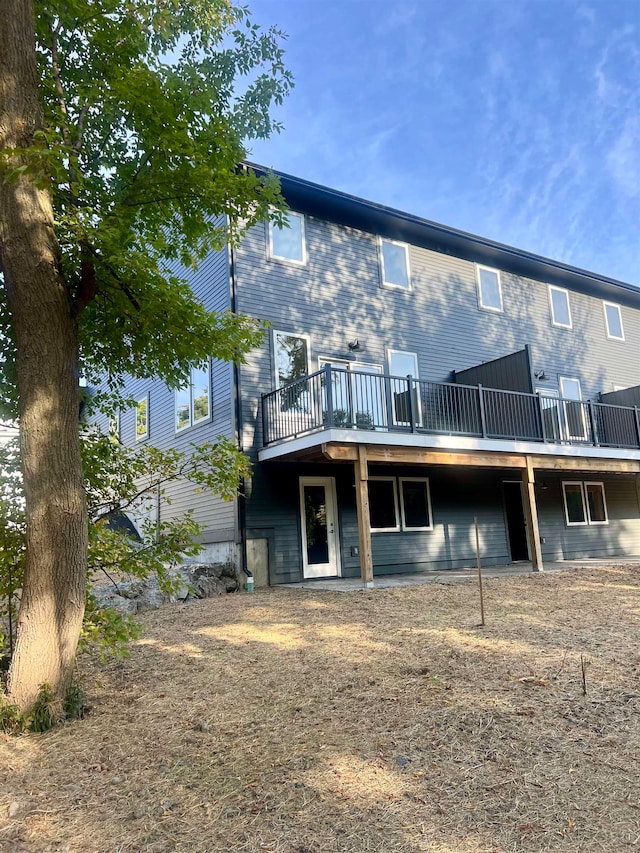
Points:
(544, 486)
(354, 345)
(541, 376)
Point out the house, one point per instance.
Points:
(413, 378)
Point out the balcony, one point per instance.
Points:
(341, 399)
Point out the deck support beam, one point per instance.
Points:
(364, 517)
(531, 515)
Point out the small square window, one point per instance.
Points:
(415, 504)
(142, 418)
(560, 308)
(395, 264)
(489, 289)
(613, 320)
(288, 243)
(596, 503)
(383, 504)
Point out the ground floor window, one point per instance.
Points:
(399, 504)
(584, 503)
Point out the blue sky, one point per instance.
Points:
(514, 120)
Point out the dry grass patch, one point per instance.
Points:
(312, 722)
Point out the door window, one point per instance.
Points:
(403, 364)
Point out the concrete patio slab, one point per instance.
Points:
(456, 575)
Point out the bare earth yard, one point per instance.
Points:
(290, 721)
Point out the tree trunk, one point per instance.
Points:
(46, 336)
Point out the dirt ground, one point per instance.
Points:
(290, 721)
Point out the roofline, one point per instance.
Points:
(350, 210)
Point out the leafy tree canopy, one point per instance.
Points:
(146, 110)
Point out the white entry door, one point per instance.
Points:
(319, 523)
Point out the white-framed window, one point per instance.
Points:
(142, 418)
(596, 503)
(383, 504)
(584, 503)
(288, 243)
(489, 288)
(560, 307)
(573, 410)
(613, 321)
(193, 400)
(114, 427)
(394, 264)
(291, 356)
(415, 503)
(403, 364)
(291, 363)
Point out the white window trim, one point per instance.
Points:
(417, 414)
(145, 436)
(588, 521)
(391, 284)
(397, 528)
(192, 422)
(566, 508)
(611, 337)
(555, 322)
(273, 256)
(274, 343)
(604, 502)
(115, 425)
(424, 480)
(481, 305)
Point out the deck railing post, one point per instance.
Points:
(410, 406)
(483, 419)
(264, 420)
(594, 427)
(543, 432)
(328, 390)
(636, 411)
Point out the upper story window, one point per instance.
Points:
(613, 320)
(288, 243)
(193, 400)
(394, 260)
(560, 308)
(291, 355)
(489, 288)
(142, 418)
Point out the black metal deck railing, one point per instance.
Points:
(354, 399)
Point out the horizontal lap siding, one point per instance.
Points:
(217, 518)
(620, 537)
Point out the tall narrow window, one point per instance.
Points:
(613, 320)
(142, 418)
(193, 400)
(403, 364)
(288, 244)
(575, 509)
(415, 503)
(596, 503)
(383, 504)
(560, 308)
(394, 259)
(291, 357)
(489, 288)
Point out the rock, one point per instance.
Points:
(108, 597)
(14, 809)
(151, 596)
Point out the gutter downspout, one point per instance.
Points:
(237, 403)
